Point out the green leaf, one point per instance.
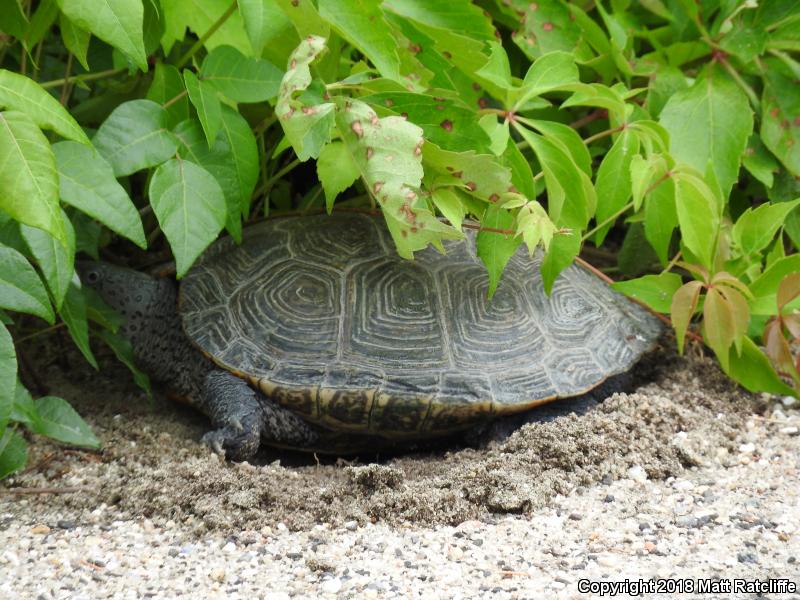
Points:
(781, 115)
(765, 287)
(446, 123)
(497, 69)
(697, 216)
(568, 139)
(73, 313)
(100, 312)
(535, 226)
(305, 18)
(266, 24)
(308, 128)
(205, 100)
(496, 249)
(13, 22)
(682, 308)
(20, 287)
(40, 23)
(752, 369)
(124, 352)
(8, 375)
(660, 218)
(754, 229)
(547, 73)
(562, 253)
(459, 16)
(546, 27)
(666, 82)
(233, 161)
(55, 261)
(200, 16)
(19, 93)
(479, 175)
(595, 94)
(644, 172)
(449, 204)
(361, 22)
(336, 171)
(190, 207)
(167, 85)
(13, 452)
(570, 199)
(656, 291)
(613, 183)
(87, 182)
(135, 136)
(75, 39)
(240, 78)
(28, 179)
(56, 419)
(759, 162)
(118, 22)
(388, 154)
(721, 125)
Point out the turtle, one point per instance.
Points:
(313, 333)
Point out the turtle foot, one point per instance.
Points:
(236, 441)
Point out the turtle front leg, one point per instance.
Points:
(244, 418)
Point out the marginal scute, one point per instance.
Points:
(324, 318)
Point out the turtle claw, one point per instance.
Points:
(234, 441)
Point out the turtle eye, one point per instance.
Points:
(92, 277)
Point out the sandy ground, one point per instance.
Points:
(679, 457)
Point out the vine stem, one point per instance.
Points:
(85, 77)
(271, 181)
(44, 331)
(602, 134)
(66, 87)
(608, 220)
(751, 95)
(204, 38)
(174, 99)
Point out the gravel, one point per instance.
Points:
(748, 528)
(687, 477)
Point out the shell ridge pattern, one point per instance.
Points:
(321, 310)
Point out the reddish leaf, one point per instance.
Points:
(725, 278)
(740, 313)
(792, 323)
(788, 290)
(718, 323)
(777, 347)
(684, 303)
(696, 270)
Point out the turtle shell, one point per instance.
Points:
(323, 316)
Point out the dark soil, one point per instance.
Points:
(152, 463)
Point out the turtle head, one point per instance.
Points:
(133, 294)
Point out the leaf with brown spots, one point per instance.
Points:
(481, 175)
(308, 128)
(392, 172)
(780, 115)
(454, 127)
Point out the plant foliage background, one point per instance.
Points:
(664, 133)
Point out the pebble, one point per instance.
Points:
(40, 529)
(351, 525)
(747, 448)
(637, 473)
(331, 586)
(789, 430)
(789, 401)
(217, 575)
